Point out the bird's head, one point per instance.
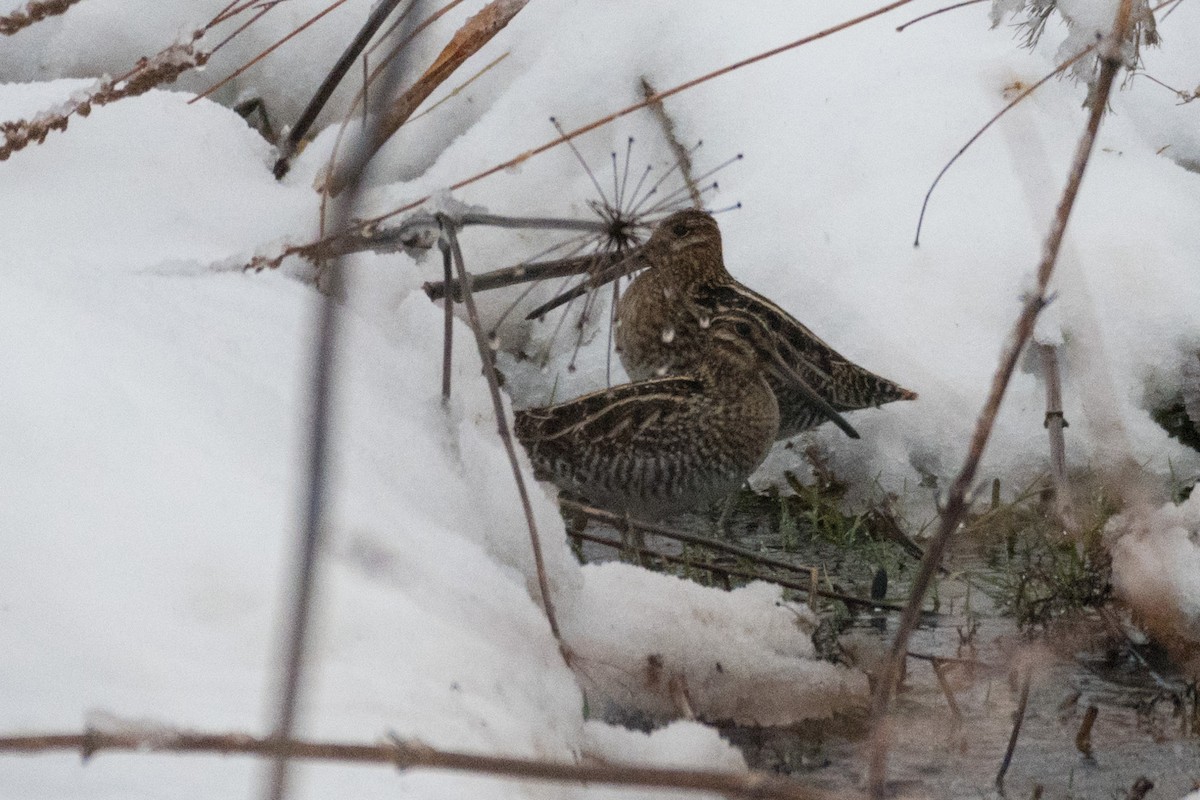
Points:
(688, 242)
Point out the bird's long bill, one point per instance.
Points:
(626, 265)
(814, 399)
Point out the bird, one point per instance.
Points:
(657, 447)
(662, 316)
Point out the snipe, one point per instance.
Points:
(669, 444)
(663, 314)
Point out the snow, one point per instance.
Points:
(155, 403)
(1156, 567)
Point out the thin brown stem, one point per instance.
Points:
(936, 665)
(956, 504)
(936, 12)
(299, 29)
(487, 356)
(1055, 423)
(683, 156)
(31, 13)
(809, 588)
(361, 98)
(525, 273)
(1018, 721)
(447, 326)
(238, 30)
(468, 40)
(334, 77)
(995, 118)
(405, 754)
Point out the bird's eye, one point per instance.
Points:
(742, 328)
(679, 229)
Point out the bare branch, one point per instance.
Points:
(34, 11)
(526, 273)
(1055, 423)
(403, 754)
(374, 20)
(298, 30)
(487, 356)
(683, 156)
(1018, 721)
(934, 13)
(468, 40)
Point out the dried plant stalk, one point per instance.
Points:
(468, 40)
(1018, 721)
(1055, 423)
(526, 273)
(956, 504)
(683, 156)
(375, 20)
(33, 11)
(487, 356)
(407, 754)
(165, 67)
(271, 49)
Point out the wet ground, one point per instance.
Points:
(950, 740)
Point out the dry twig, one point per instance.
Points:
(375, 19)
(526, 273)
(936, 12)
(956, 504)
(683, 156)
(1018, 721)
(33, 11)
(403, 754)
(734, 572)
(1055, 423)
(487, 356)
(468, 40)
(165, 67)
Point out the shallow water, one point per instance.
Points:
(1147, 722)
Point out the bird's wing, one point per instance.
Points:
(609, 413)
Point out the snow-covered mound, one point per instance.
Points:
(1156, 568)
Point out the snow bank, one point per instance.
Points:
(1156, 568)
(758, 672)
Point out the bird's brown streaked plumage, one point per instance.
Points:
(662, 314)
(660, 446)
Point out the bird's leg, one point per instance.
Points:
(721, 524)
